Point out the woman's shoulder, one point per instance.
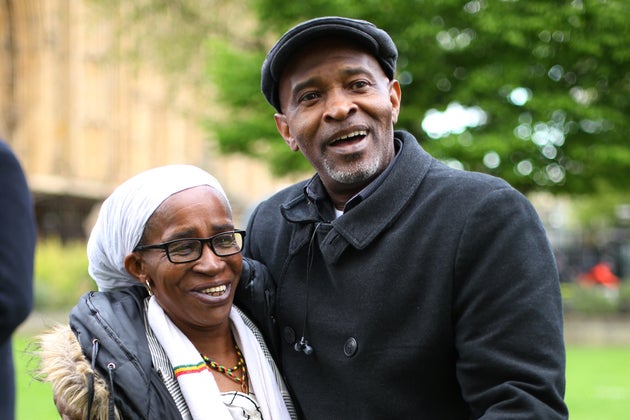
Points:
(114, 318)
(129, 300)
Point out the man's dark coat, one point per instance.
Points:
(437, 297)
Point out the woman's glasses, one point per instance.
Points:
(186, 250)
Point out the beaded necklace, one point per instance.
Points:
(230, 373)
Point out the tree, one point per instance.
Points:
(549, 80)
(537, 91)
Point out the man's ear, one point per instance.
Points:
(395, 95)
(285, 132)
(134, 265)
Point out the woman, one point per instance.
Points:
(161, 338)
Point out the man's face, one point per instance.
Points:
(339, 109)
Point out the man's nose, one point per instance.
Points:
(339, 105)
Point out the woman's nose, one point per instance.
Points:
(209, 260)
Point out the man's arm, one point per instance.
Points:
(508, 313)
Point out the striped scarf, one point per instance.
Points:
(197, 384)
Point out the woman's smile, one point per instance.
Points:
(219, 294)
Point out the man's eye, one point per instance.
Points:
(309, 96)
(360, 84)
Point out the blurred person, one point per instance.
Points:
(403, 288)
(600, 274)
(17, 250)
(161, 338)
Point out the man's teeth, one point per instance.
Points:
(215, 291)
(350, 135)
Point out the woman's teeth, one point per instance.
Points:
(215, 291)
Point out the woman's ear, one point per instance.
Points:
(134, 265)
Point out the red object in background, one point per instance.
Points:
(600, 274)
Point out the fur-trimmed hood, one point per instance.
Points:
(63, 365)
(112, 348)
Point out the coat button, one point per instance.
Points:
(350, 347)
(288, 334)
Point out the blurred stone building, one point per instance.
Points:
(82, 121)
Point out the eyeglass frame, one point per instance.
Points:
(203, 241)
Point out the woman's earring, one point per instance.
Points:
(149, 288)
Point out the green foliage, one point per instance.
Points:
(61, 275)
(624, 299)
(243, 131)
(595, 213)
(596, 300)
(569, 135)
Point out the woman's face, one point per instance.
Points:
(196, 295)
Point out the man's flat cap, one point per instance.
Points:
(375, 40)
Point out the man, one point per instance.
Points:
(17, 247)
(403, 288)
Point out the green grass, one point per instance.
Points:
(34, 398)
(598, 384)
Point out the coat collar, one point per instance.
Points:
(363, 223)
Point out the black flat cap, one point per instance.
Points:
(377, 42)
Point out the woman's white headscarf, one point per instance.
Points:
(124, 214)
